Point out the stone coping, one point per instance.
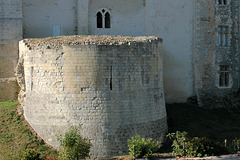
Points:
(59, 42)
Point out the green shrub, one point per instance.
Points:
(140, 147)
(183, 145)
(179, 142)
(199, 147)
(73, 146)
(29, 154)
(236, 145)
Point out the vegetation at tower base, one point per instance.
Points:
(73, 146)
(140, 147)
(16, 139)
(236, 145)
(216, 124)
(183, 145)
(29, 154)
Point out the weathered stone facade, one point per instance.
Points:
(170, 20)
(191, 52)
(210, 52)
(112, 87)
(191, 66)
(10, 34)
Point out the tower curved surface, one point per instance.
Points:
(109, 86)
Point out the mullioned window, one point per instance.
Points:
(224, 75)
(223, 35)
(222, 2)
(103, 18)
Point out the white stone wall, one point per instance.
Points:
(10, 33)
(113, 91)
(169, 19)
(40, 16)
(172, 20)
(127, 17)
(82, 16)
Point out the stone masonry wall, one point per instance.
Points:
(112, 87)
(48, 15)
(209, 55)
(10, 34)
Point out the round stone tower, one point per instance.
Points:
(109, 86)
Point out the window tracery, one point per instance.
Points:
(103, 18)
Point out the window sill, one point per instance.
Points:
(227, 47)
(224, 87)
(103, 28)
(223, 5)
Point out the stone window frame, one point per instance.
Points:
(103, 15)
(224, 79)
(222, 2)
(223, 35)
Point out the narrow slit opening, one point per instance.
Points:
(107, 20)
(110, 85)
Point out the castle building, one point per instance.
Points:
(200, 41)
(200, 38)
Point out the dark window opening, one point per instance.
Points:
(223, 35)
(224, 74)
(99, 20)
(103, 19)
(222, 2)
(107, 20)
(110, 85)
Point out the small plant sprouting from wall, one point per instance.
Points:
(140, 147)
(73, 146)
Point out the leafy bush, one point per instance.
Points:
(29, 154)
(198, 147)
(183, 145)
(179, 141)
(236, 145)
(140, 147)
(73, 146)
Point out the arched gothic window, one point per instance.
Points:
(99, 20)
(103, 18)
